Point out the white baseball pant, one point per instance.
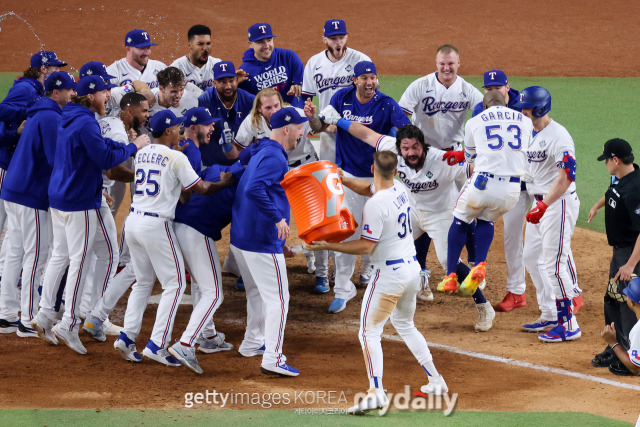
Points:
(154, 251)
(514, 221)
(3, 219)
(498, 197)
(27, 249)
(267, 291)
(436, 225)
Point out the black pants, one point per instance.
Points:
(615, 311)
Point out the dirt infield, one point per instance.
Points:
(545, 38)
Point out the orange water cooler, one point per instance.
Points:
(315, 193)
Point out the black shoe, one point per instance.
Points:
(604, 359)
(618, 368)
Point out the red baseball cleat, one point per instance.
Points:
(578, 303)
(510, 302)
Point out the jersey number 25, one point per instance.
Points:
(143, 179)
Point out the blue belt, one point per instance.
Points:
(399, 260)
(144, 213)
(490, 175)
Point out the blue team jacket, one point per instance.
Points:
(283, 69)
(13, 110)
(81, 156)
(212, 153)
(210, 214)
(27, 179)
(260, 200)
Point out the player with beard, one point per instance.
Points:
(229, 105)
(432, 188)
(198, 125)
(197, 65)
(136, 65)
(75, 195)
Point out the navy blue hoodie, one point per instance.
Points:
(81, 155)
(27, 179)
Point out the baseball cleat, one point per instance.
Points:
(93, 327)
(282, 369)
(539, 325)
(449, 283)
(7, 327)
(111, 329)
(240, 285)
(43, 327)
(159, 354)
(214, 345)
(476, 276)
(365, 276)
(337, 305)
(510, 302)
(437, 386)
(187, 356)
(486, 314)
(578, 303)
(311, 262)
(559, 334)
(252, 352)
(71, 339)
(127, 348)
(322, 285)
(425, 293)
(24, 332)
(375, 399)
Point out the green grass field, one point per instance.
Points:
(589, 107)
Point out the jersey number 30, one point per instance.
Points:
(495, 132)
(148, 180)
(405, 222)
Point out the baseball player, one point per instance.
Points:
(391, 293)
(75, 193)
(198, 128)
(160, 175)
(324, 74)
(271, 67)
(431, 186)
(136, 65)
(258, 234)
(629, 358)
(229, 105)
(170, 93)
(197, 65)
(24, 192)
(495, 142)
(361, 103)
(552, 166)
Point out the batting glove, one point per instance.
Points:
(453, 157)
(536, 213)
(329, 115)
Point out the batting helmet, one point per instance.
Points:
(632, 290)
(535, 97)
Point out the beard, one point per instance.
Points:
(333, 52)
(416, 166)
(135, 124)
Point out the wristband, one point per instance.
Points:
(227, 147)
(343, 124)
(614, 346)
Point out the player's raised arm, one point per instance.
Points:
(208, 187)
(330, 116)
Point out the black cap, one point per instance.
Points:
(616, 147)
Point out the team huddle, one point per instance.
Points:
(204, 144)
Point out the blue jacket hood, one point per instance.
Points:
(73, 111)
(44, 104)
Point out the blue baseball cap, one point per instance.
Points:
(197, 116)
(334, 27)
(46, 57)
(364, 67)
(59, 80)
(632, 290)
(260, 31)
(138, 38)
(223, 69)
(495, 78)
(287, 116)
(95, 68)
(163, 120)
(90, 84)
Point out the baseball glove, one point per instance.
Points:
(615, 287)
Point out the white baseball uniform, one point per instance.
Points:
(439, 111)
(199, 76)
(187, 102)
(433, 192)
(634, 345)
(160, 175)
(124, 73)
(496, 141)
(547, 244)
(323, 78)
(395, 282)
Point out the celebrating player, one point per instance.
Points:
(170, 93)
(136, 65)
(552, 220)
(365, 104)
(271, 67)
(387, 237)
(160, 174)
(197, 65)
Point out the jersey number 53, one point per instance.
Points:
(513, 134)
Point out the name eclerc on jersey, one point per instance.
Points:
(271, 78)
(329, 83)
(154, 159)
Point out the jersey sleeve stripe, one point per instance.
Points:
(408, 112)
(193, 183)
(308, 93)
(239, 143)
(371, 239)
(378, 142)
(635, 361)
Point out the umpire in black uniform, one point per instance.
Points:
(622, 221)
